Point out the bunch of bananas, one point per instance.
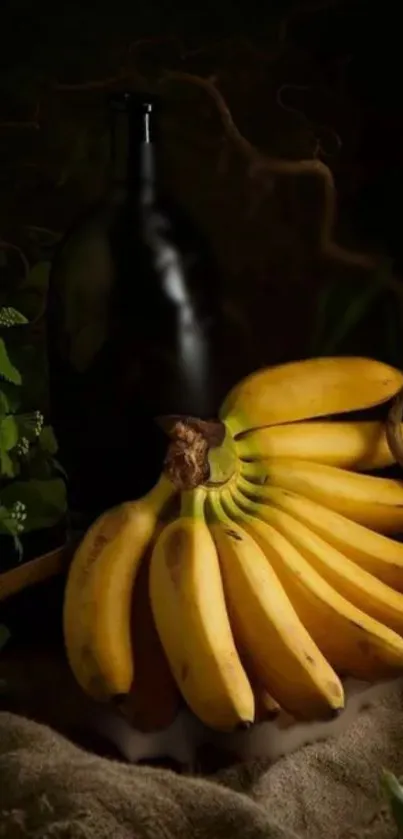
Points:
(261, 585)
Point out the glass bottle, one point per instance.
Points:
(133, 308)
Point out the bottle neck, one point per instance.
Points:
(133, 152)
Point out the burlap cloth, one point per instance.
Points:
(50, 789)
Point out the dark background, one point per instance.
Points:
(302, 80)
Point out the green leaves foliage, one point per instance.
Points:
(31, 293)
(45, 501)
(32, 491)
(361, 315)
(11, 317)
(7, 369)
(8, 433)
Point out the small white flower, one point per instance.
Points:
(39, 420)
(7, 316)
(18, 514)
(23, 447)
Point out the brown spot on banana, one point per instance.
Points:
(233, 535)
(177, 548)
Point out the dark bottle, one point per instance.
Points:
(133, 307)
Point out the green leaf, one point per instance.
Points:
(47, 440)
(31, 294)
(394, 792)
(4, 404)
(8, 467)
(7, 369)
(339, 312)
(8, 433)
(10, 398)
(27, 425)
(45, 501)
(11, 525)
(30, 358)
(40, 468)
(40, 464)
(8, 524)
(11, 317)
(59, 468)
(342, 306)
(355, 312)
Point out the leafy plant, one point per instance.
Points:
(32, 486)
(344, 307)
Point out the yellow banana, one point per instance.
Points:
(355, 584)
(305, 389)
(98, 596)
(353, 642)
(190, 614)
(154, 700)
(349, 445)
(266, 708)
(376, 553)
(374, 502)
(266, 626)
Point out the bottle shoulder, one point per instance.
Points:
(158, 258)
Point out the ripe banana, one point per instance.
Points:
(153, 700)
(305, 389)
(98, 594)
(348, 445)
(190, 614)
(352, 642)
(285, 659)
(266, 708)
(376, 553)
(354, 583)
(374, 502)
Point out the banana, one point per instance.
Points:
(348, 445)
(352, 642)
(266, 708)
(98, 595)
(305, 389)
(266, 626)
(153, 700)
(354, 583)
(190, 614)
(374, 502)
(376, 553)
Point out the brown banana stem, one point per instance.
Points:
(186, 463)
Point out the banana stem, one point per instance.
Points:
(160, 493)
(213, 506)
(230, 507)
(255, 471)
(192, 503)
